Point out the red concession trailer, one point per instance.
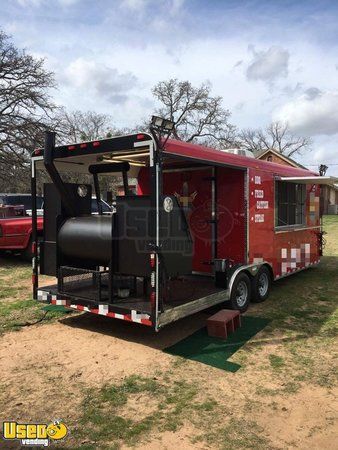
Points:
(204, 228)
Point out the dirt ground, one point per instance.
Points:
(283, 397)
(46, 367)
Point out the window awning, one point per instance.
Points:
(311, 180)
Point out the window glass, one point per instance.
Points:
(290, 203)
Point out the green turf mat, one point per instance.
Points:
(214, 351)
(59, 308)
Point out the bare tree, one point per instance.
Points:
(198, 115)
(24, 106)
(76, 126)
(79, 126)
(276, 136)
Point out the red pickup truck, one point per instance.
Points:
(16, 229)
(16, 232)
(15, 225)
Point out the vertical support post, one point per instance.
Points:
(125, 183)
(156, 194)
(110, 283)
(247, 212)
(97, 193)
(112, 266)
(35, 272)
(109, 197)
(321, 206)
(214, 218)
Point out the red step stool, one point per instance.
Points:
(223, 323)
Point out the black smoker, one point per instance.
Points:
(100, 258)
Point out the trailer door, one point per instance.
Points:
(231, 214)
(193, 189)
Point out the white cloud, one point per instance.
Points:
(134, 5)
(313, 113)
(110, 60)
(38, 3)
(323, 151)
(173, 7)
(68, 2)
(268, 65)
(25, 3)
(176, 6)
(106, 82)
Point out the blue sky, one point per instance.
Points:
(269, 60)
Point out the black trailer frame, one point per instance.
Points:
(50, 154)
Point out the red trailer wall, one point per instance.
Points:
(286, 250)
(143, 182)
(231, 214)
(192, 188)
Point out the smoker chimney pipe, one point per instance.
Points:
(48, 157)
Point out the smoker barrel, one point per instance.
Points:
(87, 238)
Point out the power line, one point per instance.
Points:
(327, 164)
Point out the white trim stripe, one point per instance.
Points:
(102, 310)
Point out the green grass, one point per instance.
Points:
(105, 422)
(297, 349)
(304, 319)
(303, 309)
(19, 313)
(243, 434)
(306, 302)
(17, 309)
(276, 361)
(331, 236)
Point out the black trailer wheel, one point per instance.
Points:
(261, 284)
(241, 292)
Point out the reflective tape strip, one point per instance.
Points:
(60, 302)
(102, 310)
(118, 316)
(135, 317)
(42, 296)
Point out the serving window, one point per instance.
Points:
(290, 204)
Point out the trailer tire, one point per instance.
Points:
(240, 292)
(261, 284)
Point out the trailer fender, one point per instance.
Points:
(249, 269)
